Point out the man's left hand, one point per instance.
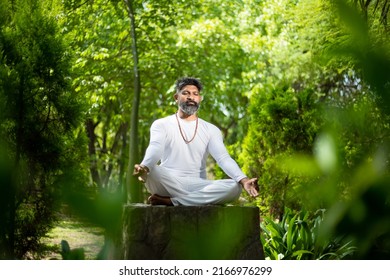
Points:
(251, 187)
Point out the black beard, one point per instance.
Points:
(189, 108)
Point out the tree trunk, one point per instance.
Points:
(133, 187)
(90, 128)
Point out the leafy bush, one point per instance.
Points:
(40, 144)
(296, 237)
(283, 123)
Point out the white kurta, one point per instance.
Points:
(181, 172)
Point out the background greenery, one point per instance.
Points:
(299, 88)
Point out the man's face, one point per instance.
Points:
(189, 99)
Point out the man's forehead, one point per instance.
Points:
(191, 88)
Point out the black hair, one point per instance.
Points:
(185, 81)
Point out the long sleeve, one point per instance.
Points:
(218, 151)
(155, 149)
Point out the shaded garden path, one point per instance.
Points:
(78, 233)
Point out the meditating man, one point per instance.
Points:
(174, 165)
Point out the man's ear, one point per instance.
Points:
(176, 97)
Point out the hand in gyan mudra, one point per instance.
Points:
(141, 171)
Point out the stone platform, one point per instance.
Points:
(190, 233)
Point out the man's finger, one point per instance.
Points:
(136, 169)
(141, 179)
(256, 186)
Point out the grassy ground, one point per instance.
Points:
(78, 233)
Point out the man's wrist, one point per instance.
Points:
(243, 181)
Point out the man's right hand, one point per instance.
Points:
(141, 171)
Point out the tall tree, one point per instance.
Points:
(132, 185)
(98, 33)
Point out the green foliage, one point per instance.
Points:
(283, 122)
(365, 216)
(300, 91)
(336, 155)
(297, 237)
(37, 124)
(351, 153)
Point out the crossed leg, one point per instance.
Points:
(168, 189)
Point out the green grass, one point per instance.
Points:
(78, 233)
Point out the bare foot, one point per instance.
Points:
(156, 199)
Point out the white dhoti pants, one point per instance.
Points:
(191, 191)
